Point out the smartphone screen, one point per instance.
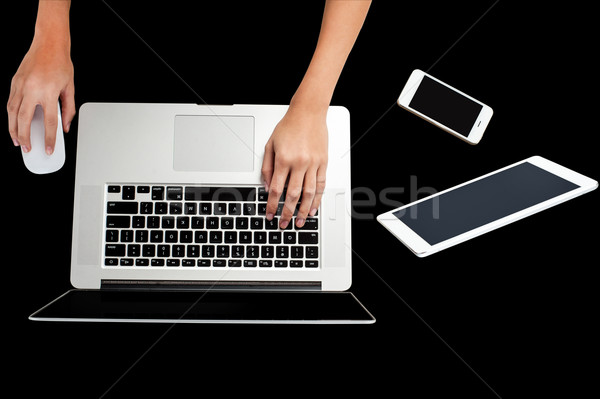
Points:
(445, 106)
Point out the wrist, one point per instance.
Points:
(310, 104)
(52, 26)
(52, 44)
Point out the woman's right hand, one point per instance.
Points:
(45, 74)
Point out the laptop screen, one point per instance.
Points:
(206, 307)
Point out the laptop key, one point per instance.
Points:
(146, 208)
(289, 237)
(168, 222)
(197, 222)
(231, 237)
(282, 251)
(241, 223)
(175, 193)
(126, 235)
(178, 251)
(212, 223)
(266, 251)
(272, 224)
(186, 236)
(262, 209)
(220, 208)
(235, 208)
(216, 237)
(153, 222)
(112, 235)
(139, 222)
(245, 237)
(274, 237)
(175, 208)
(160, 208)
(200, 236)
(171, 236)
(193, 251)
(142, 262)
(156, 236)
(190, 208)
(157, 262)
(205, 208)
(114, 250)
(163, 251)
(111, 261)
(263, 195)
(208, 251)
(252, 251)
(183, 222)
(227, 223)
(129, 208)
(312, 252)
(141, 236)
(222, 251)
(309, 224)
(148, 250)
(308, 238)
(260, 237)
(237, 251)
(133, 250)
(256, 223)
(128, 193)
(249, 209)
(158, 193)
(297, 252)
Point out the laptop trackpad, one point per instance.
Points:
(213, 143)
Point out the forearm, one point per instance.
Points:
(342, 22)
(52, 25)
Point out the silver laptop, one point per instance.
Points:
(169, 222)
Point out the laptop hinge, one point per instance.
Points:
(211, 285)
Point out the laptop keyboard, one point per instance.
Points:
(202, 227)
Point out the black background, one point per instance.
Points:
(507, 314)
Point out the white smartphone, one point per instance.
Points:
(478, 206)
(445, 107)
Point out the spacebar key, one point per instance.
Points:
(123, 208)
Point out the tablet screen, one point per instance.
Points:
(483, 201)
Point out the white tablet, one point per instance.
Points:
(473, 208)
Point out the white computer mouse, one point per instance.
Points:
(36, 160)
